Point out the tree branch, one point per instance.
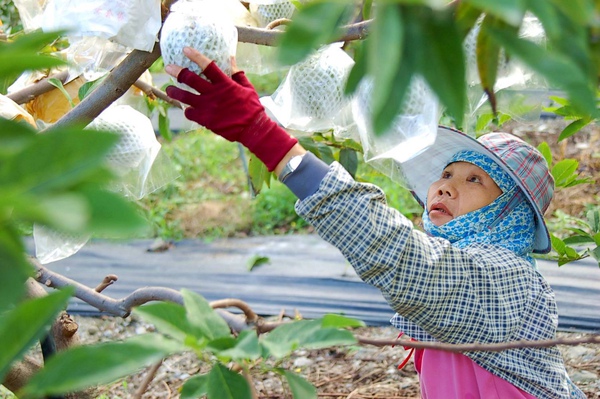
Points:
(40, 87)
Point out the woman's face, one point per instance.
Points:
(462, 188)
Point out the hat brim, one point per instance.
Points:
(426, 167)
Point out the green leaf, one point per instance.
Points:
(558, 245)
(315, 24)
(59, 85)
(581, 12)
(511, 11)
(225, 384)
(359, 69)
(195, 387)
(301, 389)
(593, 217)
(57, 160)
(442, 59)
(21, 54)
(203, 317)
(259, 174)
(304, 333)
(256, 261)
(579, 239)
(337, 321)
(163, 126)
(14, 269)
(349, 160)
(573, 128)
(112, 214)
(88, 87)
(385, 43)
(15, 136)
(246, 347)
(561, 71)
(169, 318)
(22, 326)
(544, 148)
(564, 170)
(88, 365)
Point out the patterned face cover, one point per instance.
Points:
(507, 222)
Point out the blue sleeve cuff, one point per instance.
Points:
(305, 180)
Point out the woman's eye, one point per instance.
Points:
(446, 175)
(474, 179)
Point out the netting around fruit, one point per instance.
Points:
(134, 158)
(203, 27)
(412, 131)
(311, 96)
(267, 11)
(52, 245)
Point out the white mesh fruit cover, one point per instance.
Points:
(203, 27)
(135, 155)
(267, 11)
(412, 131)
(520, 92)
(312, 94)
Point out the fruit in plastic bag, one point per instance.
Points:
(197, 25)
(317, 84)
(138, 140)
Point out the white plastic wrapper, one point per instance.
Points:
(52, 245)
(134, 158)
(520, 92)
(267, 11)
(203, 26)
(311, 96)
(132, 23)
(413, 130)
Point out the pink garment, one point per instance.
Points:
(447, 375)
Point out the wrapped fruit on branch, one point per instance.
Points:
(311, 97)
(267, 11)
(203, 26)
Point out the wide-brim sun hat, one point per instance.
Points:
(523, 163)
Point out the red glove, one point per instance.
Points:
(230, 107)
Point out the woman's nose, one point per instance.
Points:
(447, 189)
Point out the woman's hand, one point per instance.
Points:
(230, 107)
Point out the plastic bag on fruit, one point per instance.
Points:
(136, 159)
(12, 111)
(52, 245)
(520, 92)
(203, 25)
(131, 23)
(311, 97)
(412, 131)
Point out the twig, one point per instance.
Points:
(493, 347)
(251, 317)
(108, 280)
(38, 88)
(147, 380)
(153, 91)
(278, 22)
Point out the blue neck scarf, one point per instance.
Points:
(507, 222)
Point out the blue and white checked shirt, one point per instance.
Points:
(478, 294)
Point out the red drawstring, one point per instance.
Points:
(407, 358)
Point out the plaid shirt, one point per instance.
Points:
(480, 293)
